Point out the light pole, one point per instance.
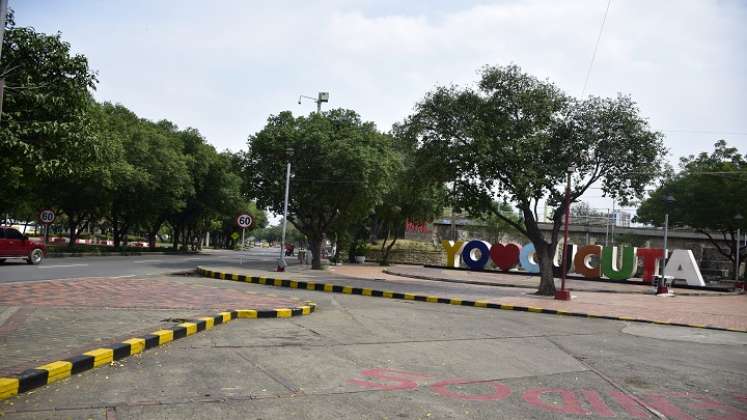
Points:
(662, 286)
(321, 97)
(563, 294)
(3, 18)
(738, 218)
(613, 223)
(281, 262)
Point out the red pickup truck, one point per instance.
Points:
(14, 244)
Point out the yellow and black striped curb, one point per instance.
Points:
(61, 369)
(350, 290)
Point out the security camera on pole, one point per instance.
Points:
(321, 97)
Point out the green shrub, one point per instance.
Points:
(360, 248)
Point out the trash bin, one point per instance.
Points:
(662, 284)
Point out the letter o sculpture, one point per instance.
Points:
(476, 264)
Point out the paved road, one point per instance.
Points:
(120, 266)
(368, 358)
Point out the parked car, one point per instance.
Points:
(14, 244)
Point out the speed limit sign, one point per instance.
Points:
(244, 220)
(46, 216)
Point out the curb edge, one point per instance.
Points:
(350, 290)
(55, 371)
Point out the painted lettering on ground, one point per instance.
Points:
(573, 401)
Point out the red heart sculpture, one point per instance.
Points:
(506, 256)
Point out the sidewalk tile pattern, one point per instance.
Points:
(131, 293)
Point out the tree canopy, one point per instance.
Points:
(340, 169)
(412, 195)
(101, 164)
(708, 192)
(45, 134)
(514, 137)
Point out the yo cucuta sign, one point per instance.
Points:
(590, 261)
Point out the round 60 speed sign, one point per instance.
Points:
(46, 216)
(244, 220)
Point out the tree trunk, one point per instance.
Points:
(116, 234)
(152, 235)
(186, 234)
(547, 278)
(316, 252)
(175, 236)
(73, 228)
(385, 256)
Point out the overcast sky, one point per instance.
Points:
(224, 66)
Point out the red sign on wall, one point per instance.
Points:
(416, 227)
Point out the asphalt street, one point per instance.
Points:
(127, 266)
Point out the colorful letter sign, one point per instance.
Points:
(452, 249)
(476, 254)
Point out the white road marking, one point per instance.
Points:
(44, 267)
(146, 261)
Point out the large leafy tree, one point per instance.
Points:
(709, 192)
(514, 137)
(46, 136)
(216, 190)
(340, 165)
(412, 195)
(151, 181)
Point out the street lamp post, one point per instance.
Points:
(661, 287)
(738, 218)
(281, 262)
(564, 294)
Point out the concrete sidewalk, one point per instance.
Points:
(715, 309)
(364, 358)
(52, 320)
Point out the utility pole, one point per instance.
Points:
(607, 229)
(614, 222)
(564, 294)
(738, 218)
(282, 263)
(3, 18)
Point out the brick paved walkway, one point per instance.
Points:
(133, 293)
(55, 319)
